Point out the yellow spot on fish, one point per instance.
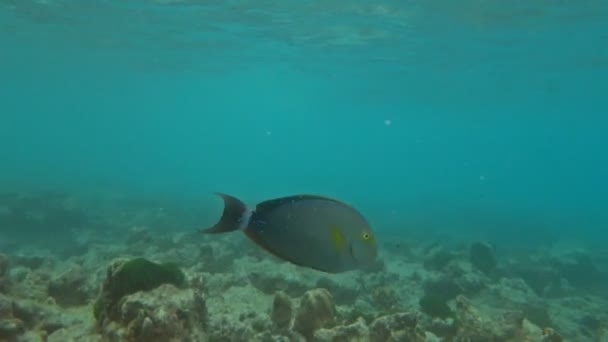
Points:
(337, 238)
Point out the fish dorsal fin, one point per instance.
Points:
(277, 202)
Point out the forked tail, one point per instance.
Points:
(235, 216)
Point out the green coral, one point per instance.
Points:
(98, 307)
(143, 275)
(128, 277)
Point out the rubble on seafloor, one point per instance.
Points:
(144, 285)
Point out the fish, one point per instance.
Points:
(312, 231)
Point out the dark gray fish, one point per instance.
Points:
(307, 230)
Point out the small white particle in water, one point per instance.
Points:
(482, 178)
(387, 122)
(268, 133)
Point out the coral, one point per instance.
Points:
(385, 298)
(401, 326)
(141, 274)
(46, 318)
(19, 318)
(445, 328)
(281, 312)
(26, 283)
(396, 327)
(249, 326)
(72, 335)
(472, 324)
(482, 257)
(510, 326)
(126, 277)
(166, 313)
(355, 332)
(316, 310)
(236, 292)
(549, 335)
(226, 330)
(361, 308)
(10, 326)
(465, 278)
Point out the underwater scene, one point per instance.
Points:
(300, 170)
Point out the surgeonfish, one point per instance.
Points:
(306, 230)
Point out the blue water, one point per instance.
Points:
(476, 119)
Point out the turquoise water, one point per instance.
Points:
(476, 119)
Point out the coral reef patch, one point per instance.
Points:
(116, 285)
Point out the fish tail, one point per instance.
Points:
(235, 216)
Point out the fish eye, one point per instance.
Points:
(365, 236)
